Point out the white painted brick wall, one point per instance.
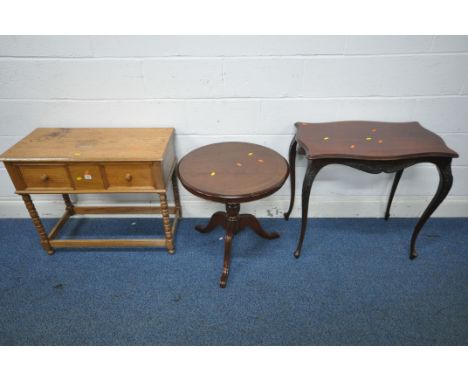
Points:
(252, 88)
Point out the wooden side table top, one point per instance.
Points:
(91, 144)
(86, 160)
(233, 171)
(367, 140)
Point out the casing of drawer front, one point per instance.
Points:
(127, 175)
(45, 177)
(86, 177)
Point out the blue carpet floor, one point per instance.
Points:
(353, 285)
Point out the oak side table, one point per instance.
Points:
(232, 173)
(91, 161)
(373, 147)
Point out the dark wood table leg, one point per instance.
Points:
(396, 180)
(292, 175)
(38, 224)
(313, 168)
(218, 218)
(233, 222)
(248, 220)
(232, 226)
(445, 184)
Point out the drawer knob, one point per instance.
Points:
(44, 177)
(128, 177)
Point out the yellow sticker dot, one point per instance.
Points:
(79, 178)
(239, 164)
(260, 160)
(213, 173)
(380, 141)
(369, 139)
(77, 154)
(326, 138)
(250, 154)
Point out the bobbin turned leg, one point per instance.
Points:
(38, 224)
(175, 189)
(68, 204)
(166, 223)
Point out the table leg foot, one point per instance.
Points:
(223, 280)
(297, 253)
(413, 254)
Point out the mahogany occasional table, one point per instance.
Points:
(373, 147)
(91, 161)
(232, 173)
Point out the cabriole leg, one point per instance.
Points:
(396, 180)
(292, 175)
(313, 168)
(218, 218)
(249, 220)
(445, 184)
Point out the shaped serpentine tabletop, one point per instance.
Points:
(366, 140)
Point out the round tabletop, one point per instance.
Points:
(233, 172)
